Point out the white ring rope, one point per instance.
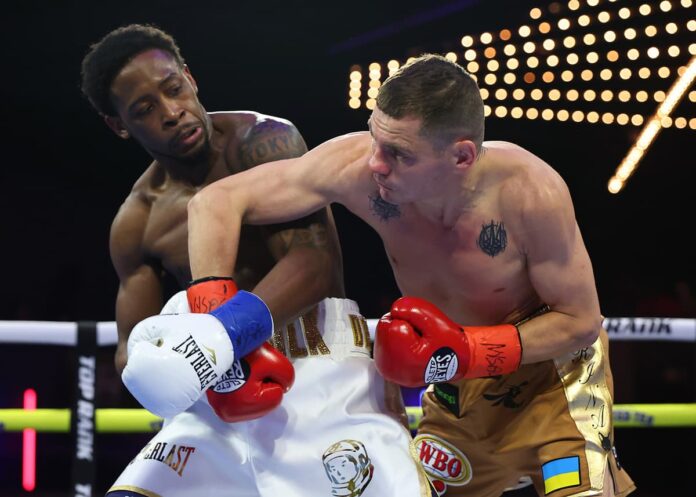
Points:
(65, 333)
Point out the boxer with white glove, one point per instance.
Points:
(417, 344)
(173, 359)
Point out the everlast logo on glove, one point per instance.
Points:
(442, 366)
(234, 378)
(189, 348)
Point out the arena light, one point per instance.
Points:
(548, 60)
(652, 128)
(393, 65)
(29, 445)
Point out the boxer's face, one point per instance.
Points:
(406, 166)
(157, 104)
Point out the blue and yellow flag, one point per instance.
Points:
(561, 473)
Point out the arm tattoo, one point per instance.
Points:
(383, 209)
(493, 238)
(269, 141)
(313, 236)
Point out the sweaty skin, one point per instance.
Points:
(488, 235)
(290, 266)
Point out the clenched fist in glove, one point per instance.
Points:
(173, 359)
(417, 344)
(256, 383)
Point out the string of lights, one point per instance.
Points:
(597, 55)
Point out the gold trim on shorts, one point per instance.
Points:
(424, 483)
(131, 488)
(584, 379)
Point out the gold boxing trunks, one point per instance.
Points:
(551, 421)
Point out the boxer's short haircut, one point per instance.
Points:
(108, 56)
(439, 92)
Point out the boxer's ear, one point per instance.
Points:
(116, 125)
(464, 153)
(189, 76)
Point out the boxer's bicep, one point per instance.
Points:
(559, 266)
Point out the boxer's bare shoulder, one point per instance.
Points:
(252, 138)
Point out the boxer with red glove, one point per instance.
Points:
(256, 383)
(417, 344)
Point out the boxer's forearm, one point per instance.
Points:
(555, 334)
(298, 281)
(214, 225)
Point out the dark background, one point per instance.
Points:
(65, 174)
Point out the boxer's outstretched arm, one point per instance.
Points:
(275, 192)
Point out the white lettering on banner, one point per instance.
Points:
(83, 490)
(622, 326)
(85, 430)
(85, 408)
(86, 377)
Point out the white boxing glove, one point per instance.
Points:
(178, 304)
(174, 358)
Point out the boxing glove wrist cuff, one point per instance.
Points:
(494, 350)
(247, 320)
(206, 294)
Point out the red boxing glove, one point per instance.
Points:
(417, 344)
(207, 294)
(253, 386)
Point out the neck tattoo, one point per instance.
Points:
(383, 209)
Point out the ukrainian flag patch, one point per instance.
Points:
(561, 473)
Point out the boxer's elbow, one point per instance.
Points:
(586, 331)
(120, 358)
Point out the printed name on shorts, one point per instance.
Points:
(303, 338)
(442, 462)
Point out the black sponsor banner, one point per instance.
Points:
(82, 419)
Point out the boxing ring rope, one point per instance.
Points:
(139, 420)
(83, 420)
(65, 333)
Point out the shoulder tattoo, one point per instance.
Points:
(313, 236)
(269, 141)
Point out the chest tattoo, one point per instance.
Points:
(493, 238)
(383, 209)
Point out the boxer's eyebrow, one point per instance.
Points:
(172, 75)
(393, 148)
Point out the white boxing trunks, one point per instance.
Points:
(332, 436)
